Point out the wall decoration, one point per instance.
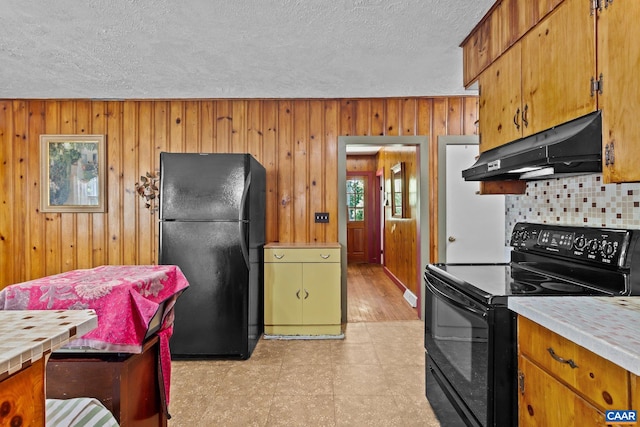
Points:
(147, 188)
(72, 172)
(398, 191)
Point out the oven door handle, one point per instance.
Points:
(468, 305)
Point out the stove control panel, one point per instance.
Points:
(602, 246)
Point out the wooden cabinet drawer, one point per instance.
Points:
(603, 383)
(302, 255)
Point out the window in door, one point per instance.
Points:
(355, 198)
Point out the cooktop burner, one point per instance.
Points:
(495, 282)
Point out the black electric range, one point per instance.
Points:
(470, 335)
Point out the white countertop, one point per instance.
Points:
(607, 326)
(28, 335)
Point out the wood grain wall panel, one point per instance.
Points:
(331, 117)
(254, 129)
(300, 200)
(35, 252)
(347, 111)
(377, 117)
(83, 220)
(296, 140)
(392, 118)
(99, 235)
(68, 226)
(408, 117)
(270, 162)
(285, 172)
(470, 117)
(207, 128)
(317, 176)
(20, 151)
(146, 251)
(7, 161)
(191, 127)
(362, 110)
(223, 127)
(114, 174)
(362, 163)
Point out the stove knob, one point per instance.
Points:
(593, 245)
(580, 243)
(608, 249)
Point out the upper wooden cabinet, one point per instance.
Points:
(619, 62)
(543, 80)
(532, 80)
(558, 63)
(503, 25)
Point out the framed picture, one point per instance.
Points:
(398, 191)
(72, 173)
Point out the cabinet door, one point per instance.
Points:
(321, 292)
(544, 401)
(282, 293)
(619, 62)
(558, 62)
(500, 106)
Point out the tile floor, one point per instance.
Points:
(374, 377)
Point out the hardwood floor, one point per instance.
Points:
(373, 297)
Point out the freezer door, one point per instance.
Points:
(211, 317)
(203, 187)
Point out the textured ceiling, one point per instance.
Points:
(233, 48)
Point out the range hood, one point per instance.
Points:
(572, 148)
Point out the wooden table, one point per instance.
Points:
(27, 338)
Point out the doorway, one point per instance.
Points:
(422, 202)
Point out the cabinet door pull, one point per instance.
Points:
(278, 256)
(515, 119)
(298, 294)
(569, 362)
(325, 256)
(306, 294)
(525, 119)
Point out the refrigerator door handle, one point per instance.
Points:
(243, 241)
(242, 220)
(242, 212)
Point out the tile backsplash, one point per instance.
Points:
(581, 200)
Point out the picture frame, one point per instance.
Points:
(398, 191)
(72, 173)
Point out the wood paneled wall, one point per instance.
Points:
(295, 139)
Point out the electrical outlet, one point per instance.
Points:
(322, 216)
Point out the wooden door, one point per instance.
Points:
(558, 62)
(360, 215)
(500, 106)
(619, 62)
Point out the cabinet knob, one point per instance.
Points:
(452, 239)
(306, 294)
(278, 256)
(325, 256)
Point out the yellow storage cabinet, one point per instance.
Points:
(302, 289)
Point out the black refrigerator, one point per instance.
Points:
(212, 225)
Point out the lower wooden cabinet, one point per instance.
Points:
(302, 291)
(563, 384)
(22, 401)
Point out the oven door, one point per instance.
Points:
(460, 338)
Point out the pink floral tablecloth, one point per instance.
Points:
(125, 298)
